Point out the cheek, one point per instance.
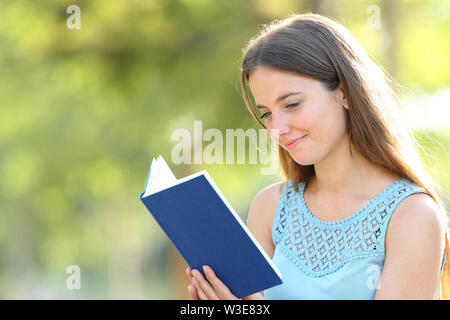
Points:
(327, 122)
(334, 124)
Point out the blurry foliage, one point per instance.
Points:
(84, 111)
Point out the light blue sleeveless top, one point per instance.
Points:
(332, 259)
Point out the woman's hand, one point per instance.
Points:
(211, 288)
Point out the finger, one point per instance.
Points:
(219, 287)
(201, 295)
(204, 285)
(188, 272)
(193, 292)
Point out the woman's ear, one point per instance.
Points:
(345, 103)
(342, 96)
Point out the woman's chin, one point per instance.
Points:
(302, 160)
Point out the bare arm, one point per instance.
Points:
(261, 215)
(414, 250)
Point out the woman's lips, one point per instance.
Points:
(294, 143)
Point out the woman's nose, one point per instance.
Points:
(280, 124)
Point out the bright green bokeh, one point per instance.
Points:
(84, 111)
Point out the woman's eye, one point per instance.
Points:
(292, 105)
(264, 115)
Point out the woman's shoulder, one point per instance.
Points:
(416, 211)
(417, 207)
(262, 212)
(265, 202)
(269, 195)
(417, 222)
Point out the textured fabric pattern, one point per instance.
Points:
(337, 256)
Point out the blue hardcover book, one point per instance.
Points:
(206, 230)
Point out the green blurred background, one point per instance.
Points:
(83, 112)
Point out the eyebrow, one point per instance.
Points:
(280, 98)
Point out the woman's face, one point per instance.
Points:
(312, 112)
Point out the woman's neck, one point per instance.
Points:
(340, 175)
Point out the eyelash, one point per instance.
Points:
(289, 105)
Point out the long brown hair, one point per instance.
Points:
(318, 47)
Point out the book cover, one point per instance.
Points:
(206, 230)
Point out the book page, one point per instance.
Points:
(161, 177)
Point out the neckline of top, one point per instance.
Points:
(351, 216)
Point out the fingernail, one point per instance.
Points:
(205, 269)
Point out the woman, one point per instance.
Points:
(356, 216)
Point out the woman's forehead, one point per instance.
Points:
(268, 82)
